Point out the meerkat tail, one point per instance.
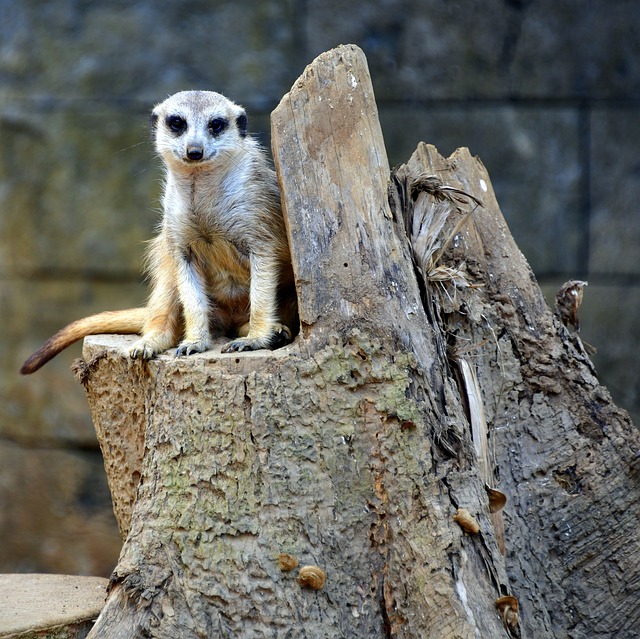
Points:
(126, 322)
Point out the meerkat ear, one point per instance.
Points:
(153, 121)
(241, 123)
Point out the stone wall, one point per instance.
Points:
(546, 92)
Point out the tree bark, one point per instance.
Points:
(352, 449)
(567, 458)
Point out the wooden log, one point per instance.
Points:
(119, 415)
(565, 456)
(352, 449)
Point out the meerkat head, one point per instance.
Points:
(197, 128)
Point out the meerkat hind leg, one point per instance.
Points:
(265, 331)
(163, 324)
(280, 335)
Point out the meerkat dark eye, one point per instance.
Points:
(217, 126)
(177, 124)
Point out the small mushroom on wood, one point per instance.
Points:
(497, 500)
(287, 562)
(312, 577)
(508, 608)
(467, 521)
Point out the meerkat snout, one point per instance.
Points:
(195, 153)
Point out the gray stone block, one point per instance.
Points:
(79, 191)
(471, 50)
(575, 50)
(56, 514)
(419, 50)
(609, 322)
(49, 606)
(144, 51)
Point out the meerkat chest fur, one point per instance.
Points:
(208, 205)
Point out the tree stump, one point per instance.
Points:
(427, 367)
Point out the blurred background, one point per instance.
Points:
(546, 92)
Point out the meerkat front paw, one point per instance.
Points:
(142, 349)
(278, 336)
(150, 345)
(190, 348)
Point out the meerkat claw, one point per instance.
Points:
(241, 344)
(142, 351)
(279, 336)
(191, 348)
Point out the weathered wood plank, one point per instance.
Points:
(349, 262)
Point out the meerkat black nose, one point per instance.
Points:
(195, 153)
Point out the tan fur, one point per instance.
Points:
(220, 264)
(128, 321)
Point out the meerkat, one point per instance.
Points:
(220, 264)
